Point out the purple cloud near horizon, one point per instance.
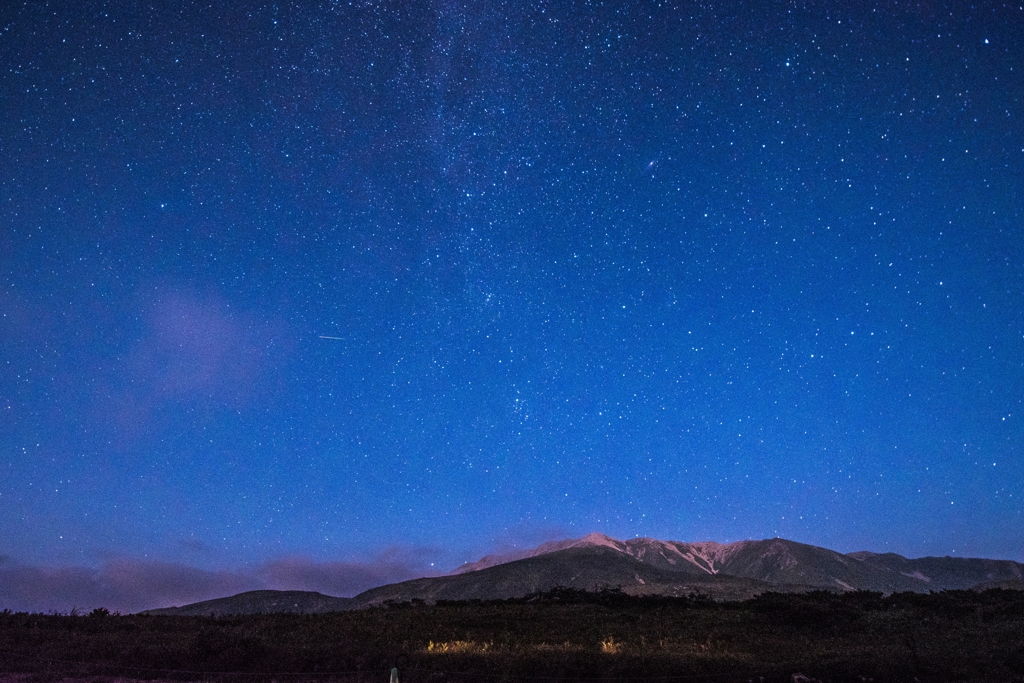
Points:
(129, 585)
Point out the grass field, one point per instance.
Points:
(563, 635)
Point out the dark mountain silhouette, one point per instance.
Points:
(262, 602)
(646, 566)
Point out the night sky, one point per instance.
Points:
(326, 294)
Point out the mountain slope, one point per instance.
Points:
(942, 573)
(550, 547)
(582, 567)
(693, 558)
(781, 561)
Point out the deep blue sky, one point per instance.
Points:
(691, 271)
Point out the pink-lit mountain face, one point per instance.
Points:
(704, 557)
(778, 561)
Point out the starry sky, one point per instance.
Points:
(324, 294)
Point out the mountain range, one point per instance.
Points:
(644, 566)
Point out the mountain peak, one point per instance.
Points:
(597, 538)
(590, 540)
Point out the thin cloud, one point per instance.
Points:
(192, 349)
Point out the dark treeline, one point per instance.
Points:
(561, 635)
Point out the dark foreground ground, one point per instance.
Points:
(950, 636)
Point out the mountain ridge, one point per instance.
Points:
(644, 566)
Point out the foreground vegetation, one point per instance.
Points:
(563, 635)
